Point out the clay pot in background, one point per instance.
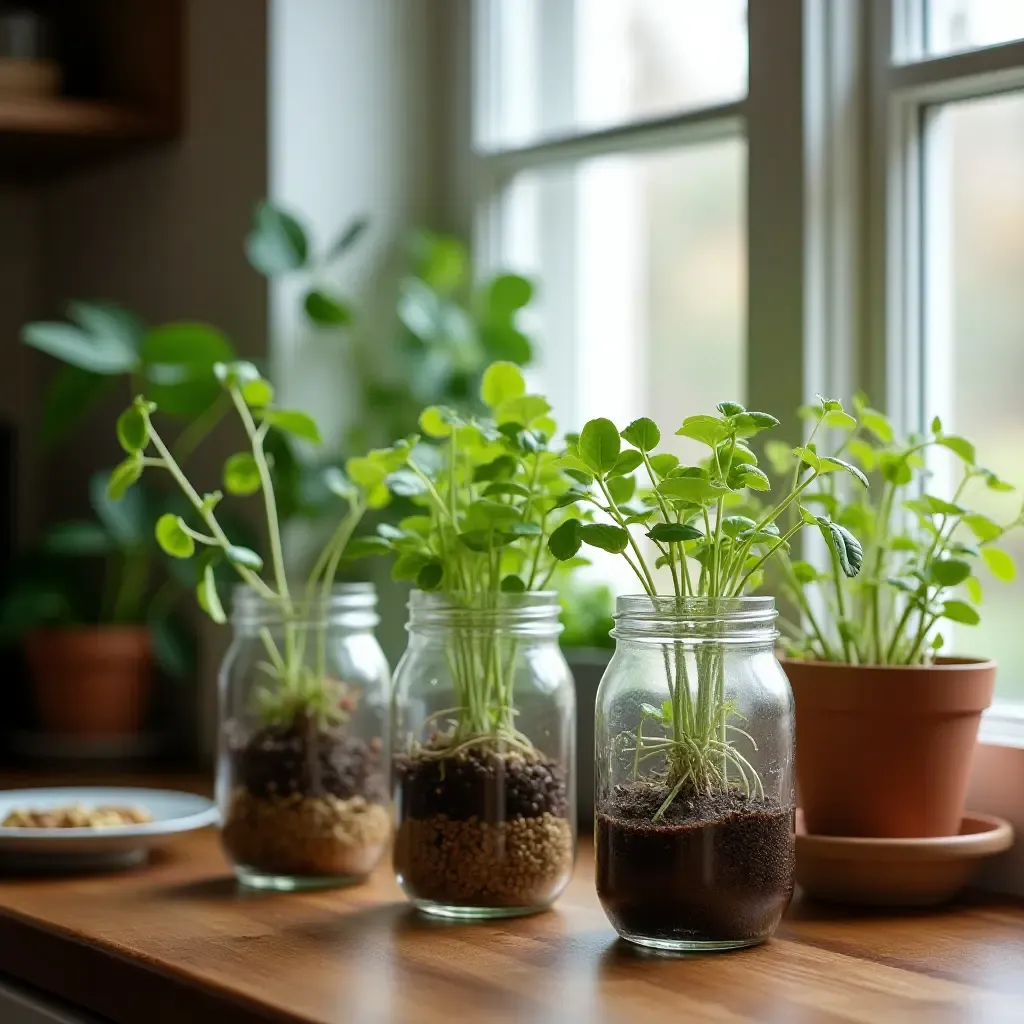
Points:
(885, 751)
(90, 681)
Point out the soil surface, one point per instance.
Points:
(714, 869)
(480, 784)
(307, 759)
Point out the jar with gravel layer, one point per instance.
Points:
(483, 720)
(302, 768)
(693, 767)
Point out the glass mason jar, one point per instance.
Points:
(302, 775)
(484, 732)
(695, 802)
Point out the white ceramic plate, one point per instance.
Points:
(56, 848)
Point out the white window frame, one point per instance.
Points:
(834, 240)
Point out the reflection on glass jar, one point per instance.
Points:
(484, 733)
(694, 754)
(302, 777)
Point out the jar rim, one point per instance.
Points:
(699, 619)
(534, 612)
(658, 606)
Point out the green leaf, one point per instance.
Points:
(292, 421)
(843, 543)
(663, 464)
(697, 488)
(506, 294)
(326, 310)
(599, 445)
(408, 565)
(732, 526)
(513, 585)
(960, 445)
(949, 572)
(502, 382)
(895, 469)
(276, 241)
(673, 533)
(708, 430)
(960, 611)
(348, 237)
(365, 547)
(207, 596)
(936, 425)
(405, 483)
(876, 423)
(257, 393)
(501, 487)
(108, 323)
(730, 408)
(1000, 564)
(982, 527)
(77, 539)
(524, 410)
(839, 420)
(241, 474)
(123, 476)
(132, 430)
(435, 421)
(565, 541)
(993, 483)
(235, 373)
(621, 488)
(178, 361)
(830, 464)
(973, 587)
(805, 572)
(173, 538)
(863, 453)
(627, 462)
(808, 456)
(650, 711)
(747, 424)
(502, 467)
(604, 536)
(746, 475)
(643, 434)
(245, 557)
(430, 576)
(107, 355)
(72, 393)
(570, 497)
(940, 507)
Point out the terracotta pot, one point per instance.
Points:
(885, 750)
(90, 681)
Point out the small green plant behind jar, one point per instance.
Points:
(301, 782)
(693, 727)
(483, 712)
(921, 550)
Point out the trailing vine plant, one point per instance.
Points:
(295, 683)
(922, 550)
(690, 520)
(490, 492)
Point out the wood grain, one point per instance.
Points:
(178, 941)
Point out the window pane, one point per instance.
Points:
(559, 66)
(976, 228)
(955, 25)
(641, 264)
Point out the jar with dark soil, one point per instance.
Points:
(695, 801)
(484, 734)
(302, 780)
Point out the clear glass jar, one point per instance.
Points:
(695, 802)
(484, 727)
(302, 770)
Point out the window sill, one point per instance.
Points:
(1003, 726)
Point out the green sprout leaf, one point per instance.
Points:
(627, 462)
(604, 536)
(1000, 564)
(599, 445)
(565, 541)
(839, 420)
(241, 474)
(808, 456)
(673, 533)
(643, 434)
(108, 354)
(430, 576)
(326, 310)
(747, 424)
(276, 242)
(876, 423)
(708, 430)
(292, 421)
(123, 476)
(173, 537)
(949, 572)
(730, 408)
(621, 488)
(257, 393)
(844, 545)
(132, 430)
(513, 584)
(245, 557)
(749, 476)
(207, 596)
(436, 421)
(502, 382)
(960, 445)
(974, 590)
(829, 464)
(663, 464)
(982, 527)
(960, 611)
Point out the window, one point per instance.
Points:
(768, 201)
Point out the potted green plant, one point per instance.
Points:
(483, 707)
(301, 779)
(694, 730)
(886, 723)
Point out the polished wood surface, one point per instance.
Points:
(177, 941)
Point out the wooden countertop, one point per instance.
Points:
(177, 941)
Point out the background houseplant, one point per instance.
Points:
(300, 780)
(483, 705)
(886, 724)
(694, 796)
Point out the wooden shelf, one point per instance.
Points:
(70, 118)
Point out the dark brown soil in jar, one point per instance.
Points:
(483, 829)
(306, 801)
(715, 868)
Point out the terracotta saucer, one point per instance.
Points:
(897, 872)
